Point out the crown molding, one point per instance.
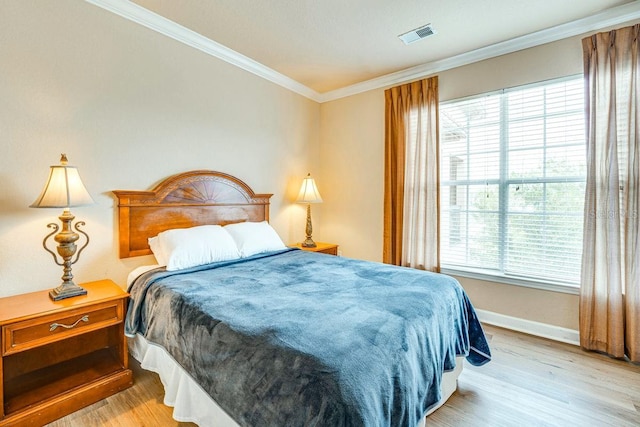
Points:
(607, 18)
(155, 22)
(162, 25)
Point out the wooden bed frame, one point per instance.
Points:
(185, 200)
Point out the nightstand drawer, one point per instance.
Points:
(27, 334)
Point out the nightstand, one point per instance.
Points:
(60, 356)
(324, 248)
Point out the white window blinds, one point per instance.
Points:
(512, 182)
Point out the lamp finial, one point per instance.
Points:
(63, 159)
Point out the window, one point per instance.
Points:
(513, 166)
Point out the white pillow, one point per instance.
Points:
(188, 247)
(154, 245)
(254, 237)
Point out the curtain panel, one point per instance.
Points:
(610, 289)
(412, 181)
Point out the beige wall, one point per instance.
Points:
(129, 107)
(352, 134)
(352, 158)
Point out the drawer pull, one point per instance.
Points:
(53, 326)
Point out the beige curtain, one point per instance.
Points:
(411, 197)
(610, 289)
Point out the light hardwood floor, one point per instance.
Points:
(530, 382)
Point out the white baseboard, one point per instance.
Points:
(544, 330)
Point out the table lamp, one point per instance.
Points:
(309, 194)
(64, 189)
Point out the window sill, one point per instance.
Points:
(545, 286)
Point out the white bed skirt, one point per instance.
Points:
(192, 404)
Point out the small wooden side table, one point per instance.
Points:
(60, 356)
(325, 248)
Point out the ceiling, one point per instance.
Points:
(328, 45)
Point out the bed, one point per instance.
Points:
(272, 335)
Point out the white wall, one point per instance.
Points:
(129, 107)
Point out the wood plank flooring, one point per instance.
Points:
(530, 382)
(537, 382)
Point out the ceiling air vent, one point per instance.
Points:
(417, 34)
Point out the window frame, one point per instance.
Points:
(503, 182)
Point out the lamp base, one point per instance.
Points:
(308, 243)
(66, 290)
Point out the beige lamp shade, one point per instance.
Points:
(309, 192)
(63, 189)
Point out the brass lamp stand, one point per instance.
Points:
(308, 242)
(66, 249)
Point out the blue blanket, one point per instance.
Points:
(295, 338)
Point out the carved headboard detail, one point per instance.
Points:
(185, 200)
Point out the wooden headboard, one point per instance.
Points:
(185, 200)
